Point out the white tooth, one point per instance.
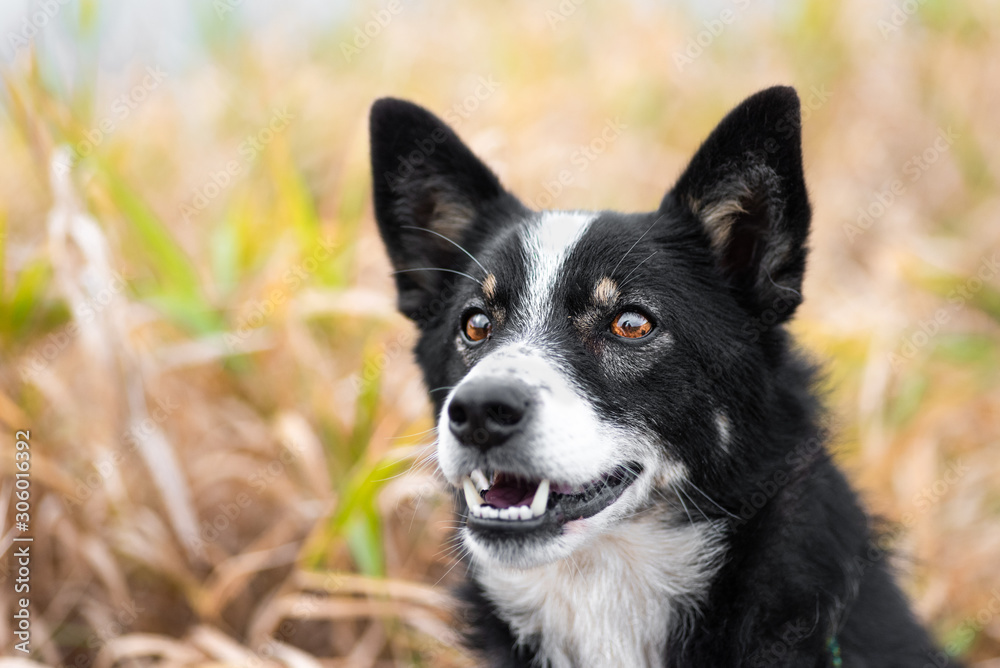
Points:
(471, 495)
(505, 514)
(524, 512)
(480, 480)
(541, 500)
(477, 510)
(491, 512)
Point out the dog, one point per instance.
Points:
(637, 449)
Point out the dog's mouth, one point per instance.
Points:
(504, 502)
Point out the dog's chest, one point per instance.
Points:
(614, 602)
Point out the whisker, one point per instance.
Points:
(427, 457)
(658, 218)
(576, 566)
(693, 503)
(408, 452)
(698, 489)
(451, 241)
(418, 433)
(625, 280)
(783, 287)
(447, 552)
(450, 271)
(413, 515)
(458, 561)
(683, 505)
(393, 477)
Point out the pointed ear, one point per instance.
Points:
(745, 189)
(433, 198)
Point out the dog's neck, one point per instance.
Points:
(614, 602)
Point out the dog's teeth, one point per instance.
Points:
(479, 508)
(471, 495)
(479, 479)
(541, 500)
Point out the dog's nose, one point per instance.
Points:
(484, 414)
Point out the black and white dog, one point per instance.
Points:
(637, 448)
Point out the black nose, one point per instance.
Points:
(483, 413)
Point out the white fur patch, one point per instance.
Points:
(548, 242)
(613, 602)
(724, 426)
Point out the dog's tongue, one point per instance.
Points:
(508, 491)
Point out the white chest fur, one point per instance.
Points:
(614, 601)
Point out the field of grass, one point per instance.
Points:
(228, 437)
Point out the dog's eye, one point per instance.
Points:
(477, 327)
(631, 325)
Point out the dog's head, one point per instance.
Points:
(586, 364)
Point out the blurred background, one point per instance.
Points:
(229, 439)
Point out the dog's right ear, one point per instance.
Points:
(434, 200)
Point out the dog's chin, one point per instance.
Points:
(569, 522)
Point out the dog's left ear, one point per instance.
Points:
(745, 189)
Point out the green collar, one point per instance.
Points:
(833, 645)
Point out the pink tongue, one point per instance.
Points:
(508, 491)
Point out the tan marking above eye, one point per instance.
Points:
(631, 325)
(477, 327)
(605, 292)
(490, 286)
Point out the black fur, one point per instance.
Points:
(726, 255)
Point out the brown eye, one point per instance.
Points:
(631, 325)
(477, 327)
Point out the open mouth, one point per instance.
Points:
(511, 503)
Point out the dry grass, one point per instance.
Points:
(222, 406)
